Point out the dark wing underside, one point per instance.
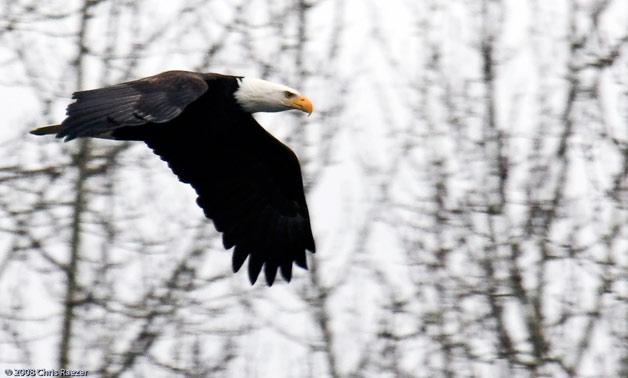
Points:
(249, 184)
(156, 99)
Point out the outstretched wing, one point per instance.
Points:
(249, 184)
(155, 99)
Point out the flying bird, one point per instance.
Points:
(248, 183)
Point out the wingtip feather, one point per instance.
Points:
(238, 258)
(255, 267)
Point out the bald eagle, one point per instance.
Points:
(248, 183)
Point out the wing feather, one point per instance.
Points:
(156, 99)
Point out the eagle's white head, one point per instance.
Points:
(256, 95)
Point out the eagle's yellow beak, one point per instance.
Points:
(302, 103)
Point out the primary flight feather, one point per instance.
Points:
(248, 183)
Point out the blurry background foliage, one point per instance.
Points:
(466, 169)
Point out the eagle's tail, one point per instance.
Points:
(52, 129)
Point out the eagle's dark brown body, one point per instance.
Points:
(247, 181)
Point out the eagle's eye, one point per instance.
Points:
(288, 94)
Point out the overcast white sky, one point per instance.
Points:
(383, 53)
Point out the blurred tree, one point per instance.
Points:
(508, 236)
(466, 168)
